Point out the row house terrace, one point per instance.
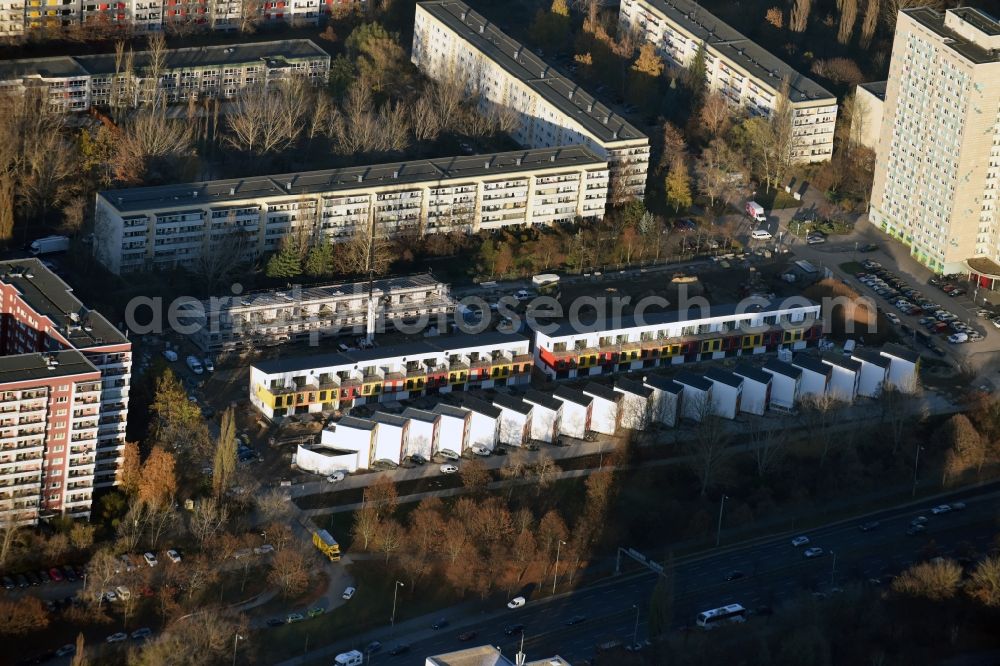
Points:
(329, 382)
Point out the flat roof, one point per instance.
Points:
(542, 400)
(596, 118)
(934, 20)
(876, 88)
(740, 49)
(753, 374)
(782, 368)
(292, 185)
(51, 297)
(635, 388)
(433, 345)
(28, 367)
(387, 418)
(356, 423)
(694, 381)
(723, 377)
(274, 53)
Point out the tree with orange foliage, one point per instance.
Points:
(158, 482)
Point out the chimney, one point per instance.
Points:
(288, 186)
(517, 161)
(395, 174)
(195, 194)
(590, 107)
(486, 165)
(232, 191)
(606, 119)
(482, 29)
(360, 178)
(552, 158)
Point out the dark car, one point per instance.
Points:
(868, 247)
(869, 526)
(418, 459)
(275, 622)
(735, 574)
(8, 583)
(915, 529)
(70, 573)
(576, 619)
(512, 629)
(499, 451)
(43, 576)
(56, 575)
(467, 635)
(403, 648)
(33, 578)
(22, 580)
(440, 624)
(374, 646)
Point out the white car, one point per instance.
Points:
(194, 364)
(448, 469)
(891, 316)
(348, 593)
(207, 363)
(761, 234)
(336, 477)
(170, 355)
(110, 596)
(449, 454)
(123, 593)
(174, 556)
(958, 338)
(150, 559)
(264, 550)
(800, 541)
(941, 508)
(481, 450)
(516, 602)
(812, 552)
(117, 638)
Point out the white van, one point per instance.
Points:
(352, 658)
(761, 234)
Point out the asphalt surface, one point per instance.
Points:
(774, 571)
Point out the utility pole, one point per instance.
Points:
(236, 640)
(555, 571)
(392, 620)
(718, 530)
(635, 630)
(916, 461)
(833, 567)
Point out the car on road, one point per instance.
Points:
(915, 529)
(448, 454)
(448, 469)
(315, 611)
(481, 450)
(892, 317)
(868, 526)
(761, 234)
(8, 583)
(919, 520)
(512, 629)
(402, 648)
(33, 578)
(735, 574)
(117, 638)
(440, 624)
(207, 364)
(957, 506)
(275, 622)
(418, 459)
(800, 540)
(941, 508)
(67, 650)
(194, 365)
(170, 355)
(384, 465)
(812, 552)
(150, 559)
(291, 618)
(576, 619)
(348, 593)
(815, 240)
(516, 602)
(336, 477)
(56, 575)
(140, 634)
(174, 556)
(868, 247)
(110, 596)
(467, 635)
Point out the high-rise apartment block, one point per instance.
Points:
(64, 390)
(938, 158)
(240, 219)
(454, 44)
(747, 75)
(75, 83)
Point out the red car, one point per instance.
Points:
(55, 575)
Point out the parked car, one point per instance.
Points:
(117, 638)
(449, 454)
(440, 624)
(512, 629)
(815, 240)
(480, 450)
(467, 635)
(264, 550)
(576, 619)
(208, 365)
(892, 317)
(516, 602)
(812, 552)
(941, 508)
(448, 469)
(140, 634)
(418, 459)
(919, 520)
(67, 650)
(957, 506)
(348, 593)
(275, 622)
(316, 611)
(958, 338)
(869, 526)
(735, 574)
(800, 541)
(56, 575)
(402, 648)
(336, 477)
(8, 583)
(150, 559)
(174, 556)
(292, 618)
(170, 355)
(915, 529)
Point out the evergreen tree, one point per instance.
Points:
(286, 262)
(319, 261)
(695, 76)
(678, 184)
(225, 454)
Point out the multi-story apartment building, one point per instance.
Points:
(455, 44)
(180, 225)
(18, 18)
(937, 168)
(76, 83)
(670, 338)
(64, 389)
(301, 314)
(286, 386)
(747, 75)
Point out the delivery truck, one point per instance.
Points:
(48, 245)
(327, 545)
(756, 211)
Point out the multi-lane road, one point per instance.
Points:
(773, 572)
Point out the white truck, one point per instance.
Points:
(756, 211)
(352, 658)
(48, 245)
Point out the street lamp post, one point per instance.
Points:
(236, 640)
(718, 530)
(916, 461)
(555, 571)
(833, 567)
(635, 630)
(392, 620)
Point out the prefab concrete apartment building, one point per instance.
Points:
(240, 219)
(64, 392)
(452, 43)
(326, 382)
(937, 167)
(77, 83)
(747, 75)
(300, 314)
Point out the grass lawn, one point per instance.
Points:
(776, 199)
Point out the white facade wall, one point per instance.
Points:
(870, 378)
(784, 390)
(843, 384)
(388, 442)
(694, 402)
(902, 374)
(484, 430)
(634, 411)
(604, 418)
(755, 396)
(320, 460)
(420, 437)
(345, 438)
(545, 424)
(726, 400)
(453, 433)
(575, 420)
(813, 384)
(515, 427)
(664, 406)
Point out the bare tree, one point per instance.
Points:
(11, 536)
(707, 448)
(767, 444)
(848, 17)
(426, 123)
(150, 145)
(870, 21)
(208, 519)
(820, 413)
(799, 17)
(268, 120)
